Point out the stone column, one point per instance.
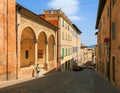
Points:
(55, 53)
(55, 56)
(36, 53)
(46, 56)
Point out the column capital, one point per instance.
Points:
(54, 43)
(35, 41)
(46, 42)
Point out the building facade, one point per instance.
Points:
(87, 56)
(26, 40)
(84, 55)
(36, 42)
(108, 39)
(76, 45)
(66, 37)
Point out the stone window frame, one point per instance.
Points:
(113, 30)
(26, 54)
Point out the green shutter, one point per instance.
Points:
(62, 52)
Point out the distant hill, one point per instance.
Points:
(91, 46)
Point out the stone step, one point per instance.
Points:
(42, 71)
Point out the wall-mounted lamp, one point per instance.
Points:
(35, 40)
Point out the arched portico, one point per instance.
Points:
(51, 43)
(32, 45)
(42, 41)
(27, 47)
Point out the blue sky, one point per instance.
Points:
(83, 13)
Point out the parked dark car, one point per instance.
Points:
(84, 67)
(77, 68)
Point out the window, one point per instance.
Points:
(66, 36)
(68, 27)
(40, 53)
(62, 22)
(62, 52)
(100, 25)
(108, 12)
(62, 35)
(113, 32)
(113, 2)
(26, 54)
(107, 49)
(104, 20)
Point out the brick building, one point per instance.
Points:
(108, 39)
(8, 57)
(36, 42)
(26, 40)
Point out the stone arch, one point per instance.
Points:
(42, 41)
(27, 47)
(51, 42)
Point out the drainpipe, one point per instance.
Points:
(58, 59)
(109, 43)
(7, 40)
(17, 8)
(16, 47)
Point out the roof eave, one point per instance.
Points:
(100, 9)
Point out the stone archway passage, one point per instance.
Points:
(42, 41)
(27, 47)
(51, 48)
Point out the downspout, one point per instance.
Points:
(58, 61)
(16, 46)
(110, 43)
(7, 41)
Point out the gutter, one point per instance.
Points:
(17, 9)
(109, 43)
(7, 41)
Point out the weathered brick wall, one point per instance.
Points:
(2, 64)
(12, 39)
(115, 43)
(8, 40)
(104, 32)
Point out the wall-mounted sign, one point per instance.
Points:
(106, 40)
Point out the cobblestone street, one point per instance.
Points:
(85, 81)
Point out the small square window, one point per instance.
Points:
(26, 54)
(40, 53)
